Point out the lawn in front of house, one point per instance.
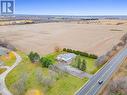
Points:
(65, 85)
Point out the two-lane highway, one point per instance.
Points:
(93, 87)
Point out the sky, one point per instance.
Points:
(71, 7)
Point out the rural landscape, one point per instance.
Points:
(46, 63)
(63, 47)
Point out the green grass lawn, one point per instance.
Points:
(9, 62)
(90, 65)
(66, 85)
(2, 70)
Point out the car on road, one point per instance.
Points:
(100, 82)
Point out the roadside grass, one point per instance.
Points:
(8, 59)
(2, 70)
(66, 85)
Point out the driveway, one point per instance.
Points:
(3, 89)
(73, 71)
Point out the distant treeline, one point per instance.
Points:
(90, 19)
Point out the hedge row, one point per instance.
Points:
(81, 53)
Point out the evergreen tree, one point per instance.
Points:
(79, 63)
(83, 65)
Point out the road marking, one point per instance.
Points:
(122, 53)
(102, 76)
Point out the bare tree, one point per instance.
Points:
(118, 86)
(19, 86)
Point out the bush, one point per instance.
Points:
(81, 53)
(46, 62)
(93, 56)
(34, 57)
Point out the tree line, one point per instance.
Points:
(77, 52)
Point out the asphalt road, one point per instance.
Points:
(92, 87)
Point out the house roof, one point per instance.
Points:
(66, 57)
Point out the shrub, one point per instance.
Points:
(93, 56)
(45, 62)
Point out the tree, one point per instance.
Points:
(34, 57)
(83, 65)
(39, 76)
(46, 62)
(19, 85)
(78, 62)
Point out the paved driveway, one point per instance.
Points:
(3, 89)
(73, 71)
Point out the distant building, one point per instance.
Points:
(67, 58)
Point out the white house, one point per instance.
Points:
(68, 57)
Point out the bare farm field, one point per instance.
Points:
(44, 37)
